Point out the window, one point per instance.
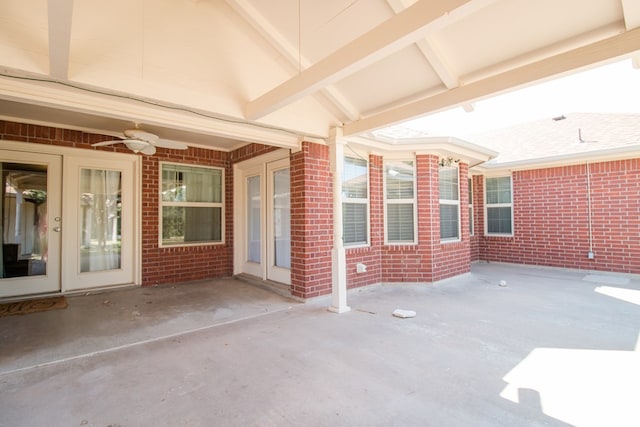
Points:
(355, 202)
(498, 205)
(449, 204)
(400, 201)
(192, 205)
(470, 206)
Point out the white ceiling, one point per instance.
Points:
(223, 73)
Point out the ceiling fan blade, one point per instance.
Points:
(166, 143)
(149, 150)
(103, 143)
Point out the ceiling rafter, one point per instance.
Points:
(428, 49)
(295, 58)
(60, 13)
(403, 29)
(613, 47)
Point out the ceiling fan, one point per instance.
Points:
(143, 142)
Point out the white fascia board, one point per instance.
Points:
(610, 154)
(76, 99)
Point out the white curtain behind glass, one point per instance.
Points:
(282, 218)
(100, 225)
(253, 219)
(202, 185)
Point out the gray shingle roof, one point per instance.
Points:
(576, 133)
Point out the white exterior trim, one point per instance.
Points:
(338, 255)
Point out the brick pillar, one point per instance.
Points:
(311, 221)
(428, 211)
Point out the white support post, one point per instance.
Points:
(338, 257)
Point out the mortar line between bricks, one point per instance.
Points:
(137, 343)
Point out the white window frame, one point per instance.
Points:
(470, 203)
(488, 205)
(220, 205)
(352, 200)
(405, 201)
(451, 203)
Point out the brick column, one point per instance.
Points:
(311, 221)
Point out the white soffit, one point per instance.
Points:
(508, 29)
(24, 37)
(631, 9)
(613, 47)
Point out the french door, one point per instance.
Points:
(99, 217)
(66, 229)
(31, 223)
(263, 238)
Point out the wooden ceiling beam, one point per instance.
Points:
(613, 47)
(407, 27)
(60, 13)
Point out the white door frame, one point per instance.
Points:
(72, 277)
(67, 243)
(256, 166)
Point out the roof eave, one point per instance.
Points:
(444, 146)
(618, 153)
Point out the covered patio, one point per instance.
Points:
(503, 345)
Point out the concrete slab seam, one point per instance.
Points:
(137, 343)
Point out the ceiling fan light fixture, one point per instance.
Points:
(135, 146)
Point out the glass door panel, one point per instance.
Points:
(100, 204)
(100, 217)
(263, 202)
(279, 221)
(254, 217)
(30, 206)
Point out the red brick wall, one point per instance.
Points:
(159, 265)
(311, 221)
(23, 132)
(453, 258)
(428, 260)
(184, 263)
(551, 218)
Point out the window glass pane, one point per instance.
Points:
(254, 242)
(448, 221)
(354, 219)
(100, 207)
(400, 222)
(498, 190)
(399, 175)
(471, 220)
(23, 228)
(282, 218)
(191, 224)
(470, 188)
(354, 178)
(499, 220)
(448, 178)
(191, 184)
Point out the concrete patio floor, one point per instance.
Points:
(551, 348)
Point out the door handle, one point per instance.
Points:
(57, 229)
